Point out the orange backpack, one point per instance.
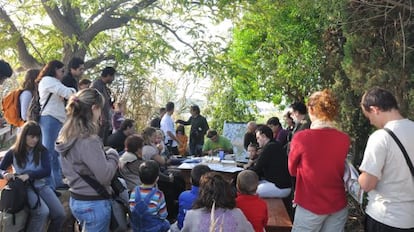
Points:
(11, 108)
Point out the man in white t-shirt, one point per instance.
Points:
(168, 127)
(385, 173)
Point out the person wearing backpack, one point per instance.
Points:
(53, 114)
(29, 88)
(5, 71)
(147, 202)
(30, 160)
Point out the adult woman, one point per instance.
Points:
(29, 89)
(31, 162)
(83, 154)
(52, 91)
(271, 166)
(317, 159)
(130, 161)
(215, 192)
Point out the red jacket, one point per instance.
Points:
(317, 159)
(255, 210)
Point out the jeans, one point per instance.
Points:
(306, 221)
(196, 149)
(50, 206)
(50, 129)
(92, 215)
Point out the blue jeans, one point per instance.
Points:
(50, 129)
(92, 215)
(50, 206)
(196, 149)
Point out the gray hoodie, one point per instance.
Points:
(86, 156)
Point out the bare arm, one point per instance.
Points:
(367, 181)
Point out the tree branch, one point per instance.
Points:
(59, 21)
(27, 60)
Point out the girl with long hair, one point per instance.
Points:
(83, 153)
(30, 160)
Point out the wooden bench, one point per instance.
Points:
(278, 217)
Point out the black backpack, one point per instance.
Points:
(13, 197)
(34, 110)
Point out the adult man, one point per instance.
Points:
(168, 127)
(117, 139)
(76, 68)
(107, 77)
(5, 71)
(250, 135)
(216, 143)
(385, 173)
(199, 127)
(156, 122)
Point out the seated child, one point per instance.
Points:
(154, 212)
(254, 208)
(129, 162)
(183, 138)
(186, 198)
(253, 152)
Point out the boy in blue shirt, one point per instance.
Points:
(186, 198)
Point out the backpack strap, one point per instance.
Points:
(407, 158)
(147, 197)
(47, 100)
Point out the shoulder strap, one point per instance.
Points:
(407, 158)
(147, 197)
(96, 185)
(47, 100)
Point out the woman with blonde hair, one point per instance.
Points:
(83, 154)
(317, 157)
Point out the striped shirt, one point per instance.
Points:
(156, 205)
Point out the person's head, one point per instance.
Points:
(148, 172)
(119, 106)
(169, 107)
(108, 75)
(127, 127)
(30, 138)
(375, 101)
(288, 119)
(194, 110)
(298, 111)
(29, 79)
(274, 124)
(83, 111)
(134, 144)
(162, 111)
(76, 67)
(54, 69)
(84, 83)
(252, 150)
(322, 105)
(263, 135)
(197, 172)
(247, 182)
(212, 135)
(251, 126)
(5, 71)
(180, 130)
(149, 135)
(214, 189)
(159, 136)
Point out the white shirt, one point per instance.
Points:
(56, 105)
(25, 99)
(392, 200)
(167, 124)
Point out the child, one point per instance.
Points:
(183, 138)
(118, 116)
(253, 155)
(254, 208)
(186, 199)
(129, 162)
(30, 159)
(154, 217)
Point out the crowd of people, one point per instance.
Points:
(82, 134)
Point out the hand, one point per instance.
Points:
(23, 177)
(9, 176)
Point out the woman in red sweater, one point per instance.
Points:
(316, 158)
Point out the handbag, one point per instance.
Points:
(407, 158)
(119, 206)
